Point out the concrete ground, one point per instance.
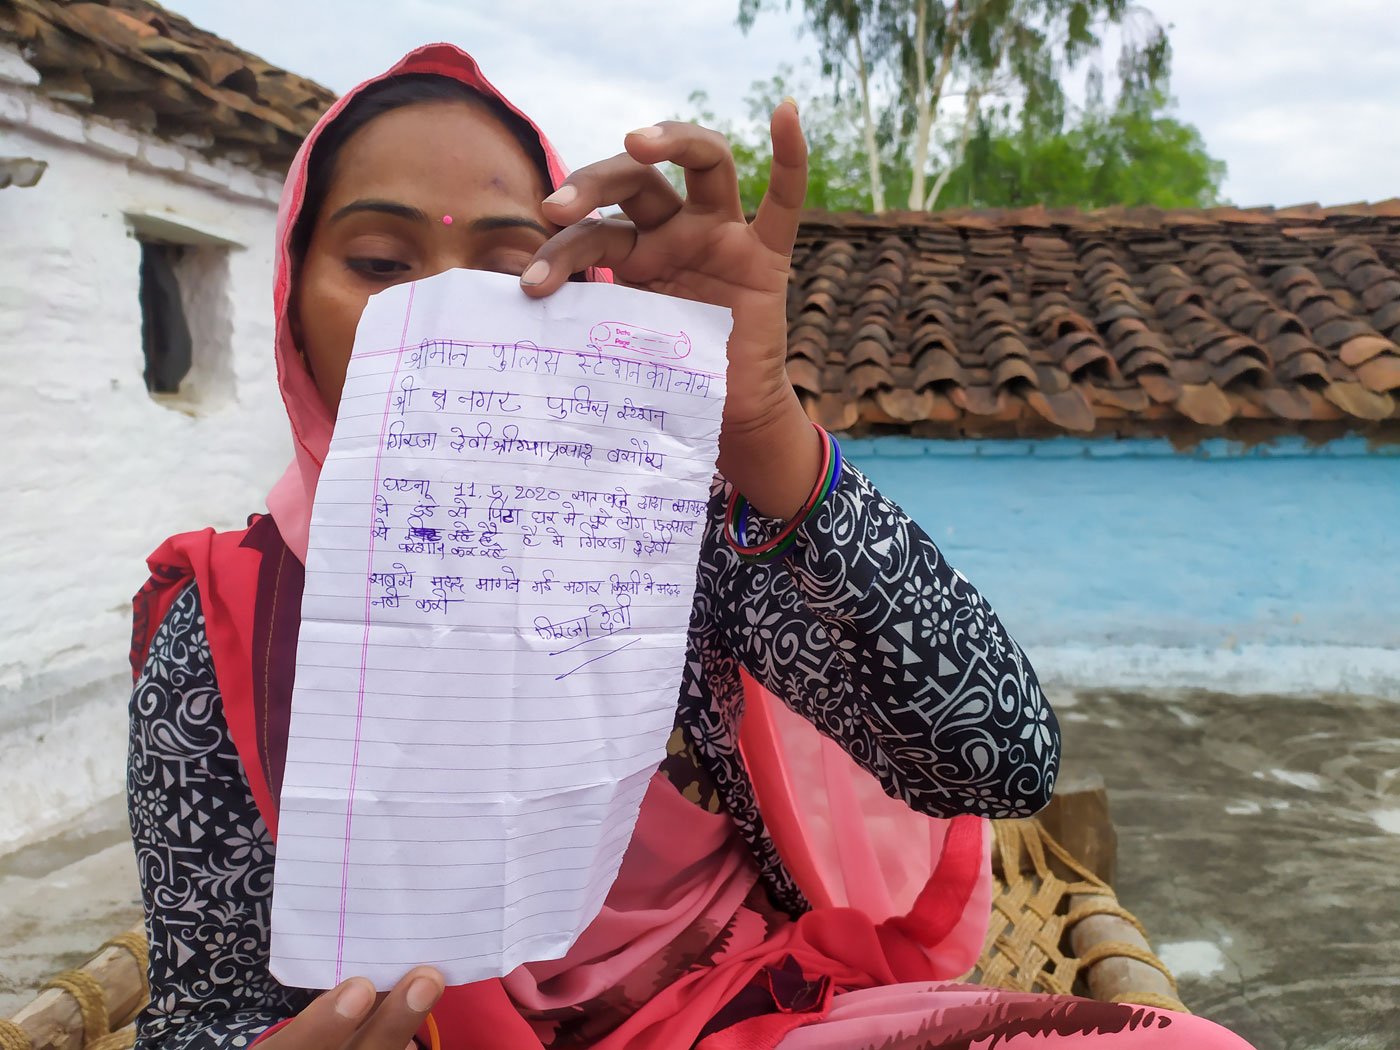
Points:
(1259, 842)
(61, 898)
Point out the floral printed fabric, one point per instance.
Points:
(864, 630)
(203, 854)
(867, 632)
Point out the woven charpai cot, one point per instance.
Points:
(90, 1008)
(1055, 928)
(1058, 929)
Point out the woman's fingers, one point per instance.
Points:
(346, 1016)
(667, 227)
(711, 181)
(639, 189)
(392, 1025)
(589, 242)
(329, 1022)
(779, 211)
(632, 181)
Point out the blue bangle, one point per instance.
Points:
(741, 524)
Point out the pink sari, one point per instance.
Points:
(686, 948)
(685, 935)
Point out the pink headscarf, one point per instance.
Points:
(291, 498)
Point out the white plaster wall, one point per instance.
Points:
(95, 471)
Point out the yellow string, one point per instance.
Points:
(434, 1040)
(91, 999)
(1119, 950)
(134, 943)
(13, 1037)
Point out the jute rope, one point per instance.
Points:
(133, 942)
(91, 998)
(92, 1001)
(1034, 911)
(1120, 950)
(13, 1037)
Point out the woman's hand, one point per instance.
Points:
(701, 247)
(351, 1017)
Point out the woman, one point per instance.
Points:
(718, 930)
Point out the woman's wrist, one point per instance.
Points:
(773, 547)
(774, 465)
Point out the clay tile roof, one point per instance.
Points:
(1038, 322)
(134, 61)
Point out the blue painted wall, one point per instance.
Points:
(1131, 542)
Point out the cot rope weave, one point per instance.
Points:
(13, 1037)
(133, 942)
(92, 1001)
(1034, 909)
(1106, 906)
(1120, 950)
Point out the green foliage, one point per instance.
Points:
(1134, 153)
(836, 174)
(902, 56)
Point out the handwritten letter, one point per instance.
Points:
(498, 589)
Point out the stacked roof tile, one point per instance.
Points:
(1030, 322)
(148, 67)
(1038, 323)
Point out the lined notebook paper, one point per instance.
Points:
(498, 589)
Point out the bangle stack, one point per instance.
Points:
(736, 518)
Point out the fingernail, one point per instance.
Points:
(653, 132)
(791, 101)
(535, 273)
(422, 993)
(412, 1044)
(354, 1000)
(565, 194)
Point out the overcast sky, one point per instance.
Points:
(1301, 98)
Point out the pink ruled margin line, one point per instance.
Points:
(364, 650)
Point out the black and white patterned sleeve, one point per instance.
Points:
(203, 854)
(870, 634)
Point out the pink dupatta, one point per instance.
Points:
(849, 845)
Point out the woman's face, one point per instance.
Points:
(382, 220)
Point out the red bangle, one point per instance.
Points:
(794, 523)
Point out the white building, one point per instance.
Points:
(140, 166)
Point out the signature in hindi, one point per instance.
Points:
(595, 659)
(600, 623)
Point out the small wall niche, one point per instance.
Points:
(186, 311)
